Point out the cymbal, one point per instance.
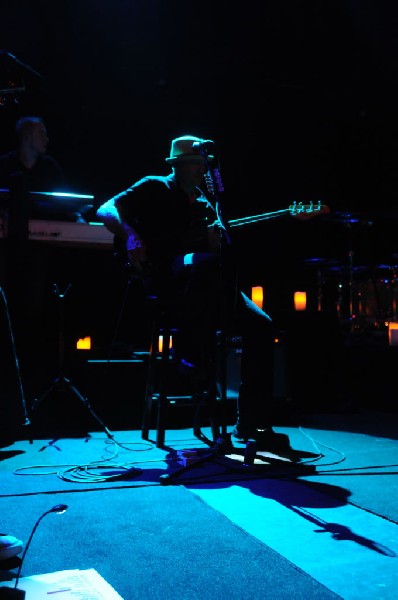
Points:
(347, 218)
(386, 269)
(320, 261)
(347, 269)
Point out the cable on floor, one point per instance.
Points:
(320, 454)
(89, 472)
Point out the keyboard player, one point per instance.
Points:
(27, 269)
(30, 168)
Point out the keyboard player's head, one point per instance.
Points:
(28, 170)
(31, 139)
(29, 163)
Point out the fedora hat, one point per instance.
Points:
(187, 148)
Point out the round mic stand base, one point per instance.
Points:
(223, 445)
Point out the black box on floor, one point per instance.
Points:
(313, 349)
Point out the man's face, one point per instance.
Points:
(38, 139)
(190, 173)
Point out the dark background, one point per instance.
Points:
(300, 98)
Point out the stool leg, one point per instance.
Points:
(207, 400)
(150, 383)
(157, 390)
(163, 401)
(216, 416)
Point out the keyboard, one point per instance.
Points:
(65, 233)
(58, 231)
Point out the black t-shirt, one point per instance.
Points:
(45, 176)
(163, 216)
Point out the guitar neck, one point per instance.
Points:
(258, 218)
(301, 211)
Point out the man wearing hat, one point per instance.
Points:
(171, 234)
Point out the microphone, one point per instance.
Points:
(21, 64)
(14, 593)
(213, 181)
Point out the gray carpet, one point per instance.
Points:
(360, 462)
(358, 467)
(361, 456)
(153, 543)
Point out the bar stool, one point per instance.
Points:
(161, 364)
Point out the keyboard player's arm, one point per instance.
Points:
(111, 217)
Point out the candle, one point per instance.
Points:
(300, 300)
(393, 334)
(257, 295)
(160, 343)
(84, 343)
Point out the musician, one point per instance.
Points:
(29, 168)
(25, 266)
(30, 161)
(176, 242)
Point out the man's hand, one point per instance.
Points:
(136, 252)
(214, 237)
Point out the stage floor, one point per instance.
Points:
(327, 507)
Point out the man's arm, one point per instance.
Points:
(111, 216)
(108, 214)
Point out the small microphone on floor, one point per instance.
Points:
(7, 593)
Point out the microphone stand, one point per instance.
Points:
(215, 187)
(20, 392)
(222, 445)
(19, 62)
(61, 383)
(224, 239)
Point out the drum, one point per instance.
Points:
(374, 294)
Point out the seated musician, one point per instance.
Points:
(30, 168)
(28, 268)
(172, 238)
(30, 159)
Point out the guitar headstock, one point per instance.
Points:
(307, 211)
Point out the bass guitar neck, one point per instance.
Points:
(298, 210)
